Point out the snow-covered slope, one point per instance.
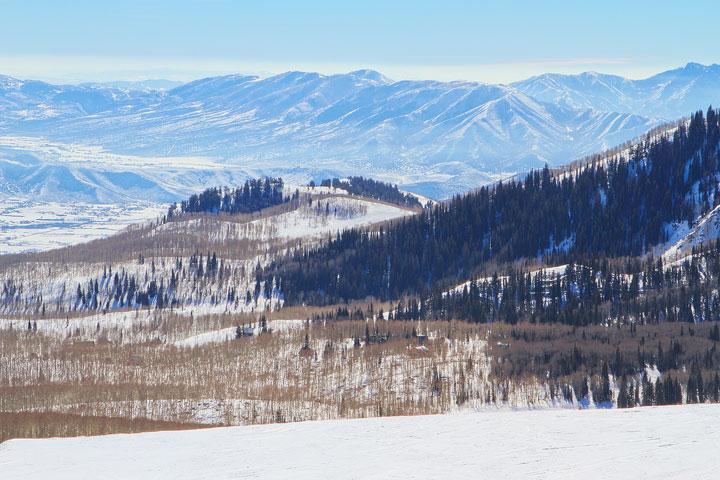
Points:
(310, 220)
(640, 443)
(667, 95)
(434, 138)
(431, 137)
(32, 100)
(684, 237)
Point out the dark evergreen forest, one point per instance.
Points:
(255, 195)
(605, 210)
(367, 187)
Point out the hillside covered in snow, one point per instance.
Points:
(663, 95)
(107, 143)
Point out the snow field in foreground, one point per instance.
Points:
(640, 443)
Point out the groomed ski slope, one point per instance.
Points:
(654, 442)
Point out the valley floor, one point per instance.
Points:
(639, 443)
(28, 225)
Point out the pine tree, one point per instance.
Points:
(606, 397)
(622, 400)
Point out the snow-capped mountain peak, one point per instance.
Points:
(434, 138)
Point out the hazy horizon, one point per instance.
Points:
(141, 76)
(88, 41)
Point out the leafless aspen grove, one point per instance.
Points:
(165, 325)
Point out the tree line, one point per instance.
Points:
(254, 195)
(367, 187)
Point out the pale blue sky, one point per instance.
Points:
(499, 41)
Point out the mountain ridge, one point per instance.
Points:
(433, 138)
(620, 94)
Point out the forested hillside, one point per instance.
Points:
(594, 284)
(621, 207)
(205, 253)
(253, 196)
(367, 187)
(651, 320)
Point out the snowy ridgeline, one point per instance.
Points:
(184, 281)
(40, 222)
(652, 442)
(314, 217)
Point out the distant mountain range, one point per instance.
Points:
(430, 137)
(153, 84)
(667, 95)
